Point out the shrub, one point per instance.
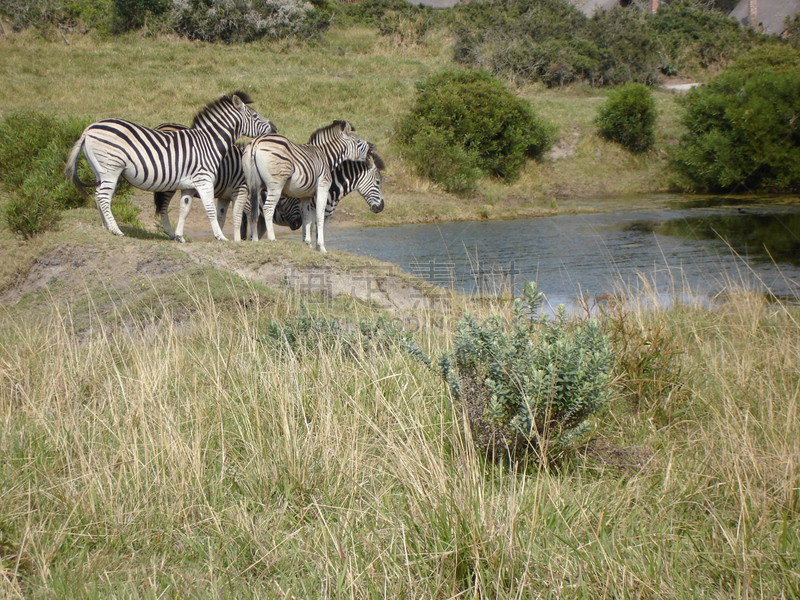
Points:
(628, 49)
(529, 384)
(373, 13)
(439, 158)
(628, 117)
(247, 20)
(487, 127)
(33, 148)
(131, 14)
(310, 333)
(690, 33)
(742, 130)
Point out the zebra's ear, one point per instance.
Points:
(237, 102)
(346, 127)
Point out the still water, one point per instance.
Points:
(666, 247)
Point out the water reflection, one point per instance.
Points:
(762, 236)
(670, 251)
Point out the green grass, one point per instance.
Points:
(354, 74)
(153, 446)
(186, 458)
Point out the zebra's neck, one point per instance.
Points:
(224, 130)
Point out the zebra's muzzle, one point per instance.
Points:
(376, 208)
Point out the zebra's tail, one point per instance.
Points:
(71, 169)
(253, 180)
(161, 200)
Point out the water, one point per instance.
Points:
(666, 246)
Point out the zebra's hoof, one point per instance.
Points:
(322, 249)
(179, 239)
(222, 238)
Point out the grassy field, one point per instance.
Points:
(184, 457)
(354, 74)
(156, 442)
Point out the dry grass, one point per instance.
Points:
(165, 460)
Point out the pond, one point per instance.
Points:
(663, 247)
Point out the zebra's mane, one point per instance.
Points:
(212, 106)
(378, 161)
(322, 131)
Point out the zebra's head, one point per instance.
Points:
(287, 212)
(253, 124)
(369, 182)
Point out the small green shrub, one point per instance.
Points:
(487, 126)
(648, 363)
(28, 216)
(628, 117)
(742, 130)
(33, 148)
(308, 332)
(529, 384)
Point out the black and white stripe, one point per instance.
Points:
(365, 177)
(228, 187)
(299, 170)
(157, 161)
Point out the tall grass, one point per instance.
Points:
(193, 459)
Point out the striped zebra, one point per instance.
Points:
(229, 184)
(365, 177)
(299, 170)
(164, 160)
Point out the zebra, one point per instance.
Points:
(164, 160)
(299, 170)
(350, 175)
(228, 184)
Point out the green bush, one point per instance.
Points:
(483, 124)
(309, 333)
(33, 148)
(131, 14)
(529, 384)
(628, 117)
(248, 20)
(742, 130)
(627, 47)
(691, 34)
(436, 156)
(373, 13)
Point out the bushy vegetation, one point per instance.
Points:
(464, 123)
(33, 148)
(209, 20)
(131, 14)
(628, 117)
(553, 42)
(742, 129)
(528, 384)
(247, 20)
(691, 35)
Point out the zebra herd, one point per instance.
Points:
(278, 181)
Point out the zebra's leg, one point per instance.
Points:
(306, 213)
(239, 207)
(322, 202)
(102, 197)
(222, 211)
(165, 224)
(273, 196)
(207, 198)
(185, 207)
